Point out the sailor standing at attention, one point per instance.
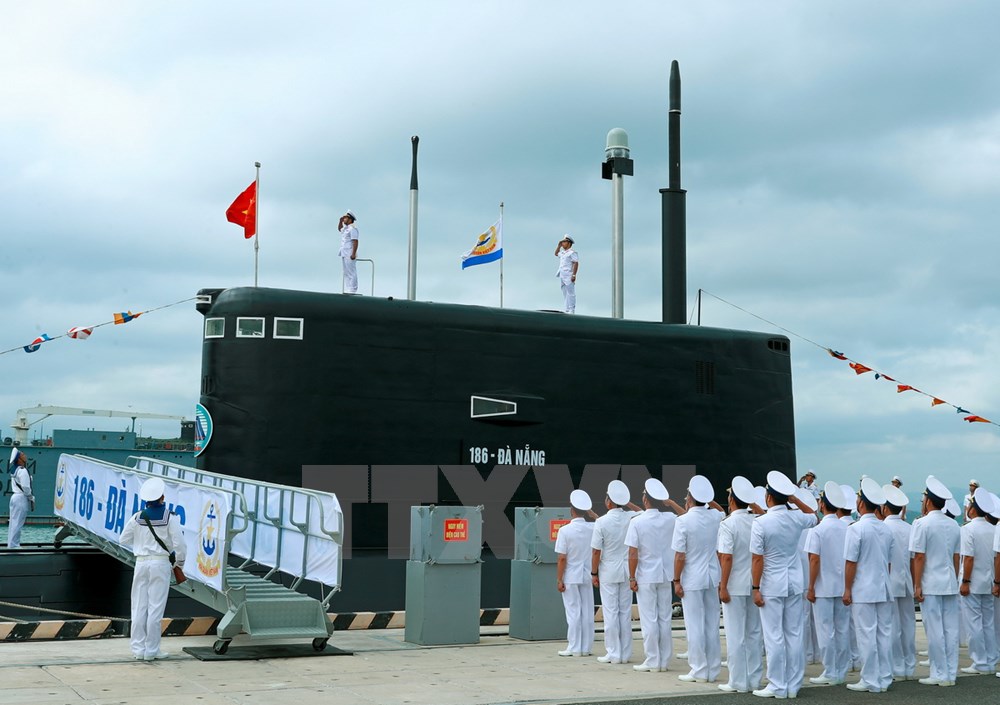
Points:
(572, 579)
(21, 499)
(651, 570)
(741, 617)
(157, 541)
(776, 574)
(569, 263)
(825, 547)
(904, 617)
(868, 550)
(696, 579)
(976, 588)
(609, 572)
(845, 514)
(349, 251)
(935, 541)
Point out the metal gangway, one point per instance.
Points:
(286, 530)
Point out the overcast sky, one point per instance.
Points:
(842, 162)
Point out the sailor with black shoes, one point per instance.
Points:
(868, 549)
(778, 585)
(573, 576)
(825, 547)
(976, 591)
(741, 617)
(904, 617)
(651, 571)
(696, 579)
(935, 542)
(609, 571)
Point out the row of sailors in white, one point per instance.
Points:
(857, 577)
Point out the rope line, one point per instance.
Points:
(36, 608)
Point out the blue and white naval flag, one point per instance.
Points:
(488, 248)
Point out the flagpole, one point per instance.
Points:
(501, 259)
(256, 219)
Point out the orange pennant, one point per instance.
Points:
(859, 368)
(977, 419)
(935, 401)
(904, 388)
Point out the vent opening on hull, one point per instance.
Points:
(704, 377)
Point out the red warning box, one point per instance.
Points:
(554, 527)
(456, 529)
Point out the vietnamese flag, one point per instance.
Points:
(243, 212)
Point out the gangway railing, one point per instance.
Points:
(295, 531)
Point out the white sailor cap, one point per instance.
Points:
(951, 508)
(895, 478)
(655, 489)
(152, 489)
(974, 482)
(700, 489)
(567, 236)
(872, 491)
(579, 499)
(936, 488)
(806, 497)
(895, 496)
(834, 495)
(618, 492)
(743, 490)
(14, 452)
(850, 495)
(760, 492)
(996, 506)
(983, 500)
(351, 213)
(780, 483)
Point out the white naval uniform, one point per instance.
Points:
(744, 640)
(977, 541)
(651, 534)
(904, 616)
(869, 544)
(810, 642)
(567, 258)
(849, 619)
(348, 235)
(616, 597)
(151, 580)
(775, 537)
(696, 535)
(573, 541)
(996, 601)
(827, 542)
(19, 505)
(938, 537)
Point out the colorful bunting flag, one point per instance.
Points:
(36, 343)
(243, 211)
(79, 332)
(125, 317)
(882, 375)
(905, 388)
(838, 355)
(859, 368)
(935, 401)
(960, 410)
(977, 419)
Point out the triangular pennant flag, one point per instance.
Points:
(935, 401)
(125, 317)
(904, 388)
(882, 375)
(960, 410)
(36, 343)
(859, 368)
(80, 332)
(977, 419)
(834, 353)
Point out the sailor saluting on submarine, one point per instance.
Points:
(21, 500)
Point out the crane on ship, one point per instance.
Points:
(21, 423)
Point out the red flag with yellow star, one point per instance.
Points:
(243, 212)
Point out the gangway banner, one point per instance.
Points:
(101, 498)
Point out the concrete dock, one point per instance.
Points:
(388, 671)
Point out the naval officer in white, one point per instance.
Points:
(904, 617)
(609, 572)
(696, 579)
(744, 640)
(935, 542)
(867, 555)
(573, 576)
(778, 584)
(651, 570)
(825, 547)
(976, 588)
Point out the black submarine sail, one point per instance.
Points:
(375, 400)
